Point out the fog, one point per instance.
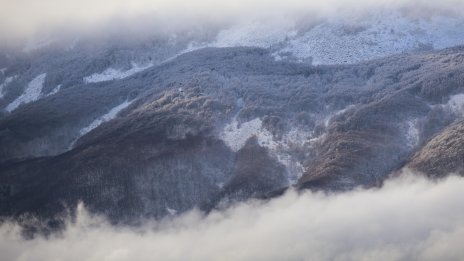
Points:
(409, 218)
(27, 17)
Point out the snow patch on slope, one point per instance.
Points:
(456, 104)
(171, 211)
(115, 74)
(7, 81)
(412, 134)
(235, 136)
(295, 138)
(55, 90)
(104, 118)
(31, 93)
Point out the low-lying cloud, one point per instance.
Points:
(409, 218)
(21, 17)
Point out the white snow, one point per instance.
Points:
(31, 93)
(412, 134)
(55, 90)
(456, 104)
(7, 81)
(235, 136)
(171, 211)
(293, 139)
(346, 40)
(115, 74)
(104, 118)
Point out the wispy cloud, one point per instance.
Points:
(28, 16)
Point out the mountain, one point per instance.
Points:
(152, 128)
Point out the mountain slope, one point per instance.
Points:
(171, 148)
(443, 154)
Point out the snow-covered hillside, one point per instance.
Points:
(345, 39)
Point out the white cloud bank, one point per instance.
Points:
(407, 219)
(27, 16)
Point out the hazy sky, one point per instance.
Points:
(407, 219)
(27, 16)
